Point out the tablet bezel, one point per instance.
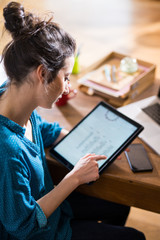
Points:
(70, 166)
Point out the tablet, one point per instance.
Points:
(103, 131)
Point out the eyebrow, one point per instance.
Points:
(68, 73)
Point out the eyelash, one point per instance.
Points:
(67, 79)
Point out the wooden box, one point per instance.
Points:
(118, 98)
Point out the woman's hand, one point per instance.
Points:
(126, 150)
(86, 169)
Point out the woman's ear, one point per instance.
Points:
(41, 73)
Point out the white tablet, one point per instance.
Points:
(103, 131)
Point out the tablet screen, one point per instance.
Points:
(103, 131)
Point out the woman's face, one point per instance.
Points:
(60, 84)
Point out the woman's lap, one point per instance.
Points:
(96, 219)
(91, 208)
(92, 230)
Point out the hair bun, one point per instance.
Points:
(14, 18)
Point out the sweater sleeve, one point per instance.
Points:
(49, 131)
(19, 213)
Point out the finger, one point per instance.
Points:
(89, 154)
(127, 149)
(99, 157)
(119, 158)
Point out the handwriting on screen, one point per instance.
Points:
(95, 143)
(102, 132)
(104, 140)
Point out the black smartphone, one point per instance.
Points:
(138, 158)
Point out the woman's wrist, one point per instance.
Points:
(74, 178)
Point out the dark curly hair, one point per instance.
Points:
(34, 42)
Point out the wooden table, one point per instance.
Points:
(117, 183)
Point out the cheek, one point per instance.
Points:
(58, 88)
(61, 87)
(62, 84)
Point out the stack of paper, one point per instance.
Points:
(110, 81)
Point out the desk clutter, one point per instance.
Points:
(118, 78)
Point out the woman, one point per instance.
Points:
(38, 62)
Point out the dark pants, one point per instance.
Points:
(96, 219)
